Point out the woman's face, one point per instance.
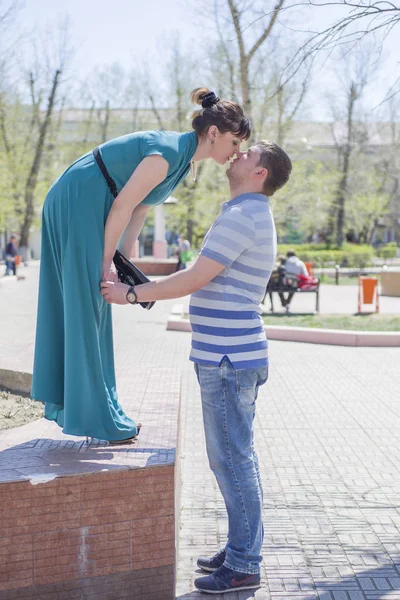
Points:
(225, 146)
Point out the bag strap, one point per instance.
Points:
(110, 181)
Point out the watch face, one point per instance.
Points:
(131, 297)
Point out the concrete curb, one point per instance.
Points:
(333, 337)
(16, 381)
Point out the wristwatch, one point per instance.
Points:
(131, 295)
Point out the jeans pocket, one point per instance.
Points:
(247, 383)
(246, 386)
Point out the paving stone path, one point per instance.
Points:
(328, 439)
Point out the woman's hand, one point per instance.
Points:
(109, 272)
(114, 293)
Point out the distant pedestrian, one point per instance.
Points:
(295, 266)
(11, 255)
(184, 253)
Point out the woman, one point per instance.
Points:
(82, 224)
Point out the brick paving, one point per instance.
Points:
(327, 434)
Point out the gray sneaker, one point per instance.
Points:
(211, 564)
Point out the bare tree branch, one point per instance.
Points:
(267, 31)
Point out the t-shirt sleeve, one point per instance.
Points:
(160, 143)
(232, 234)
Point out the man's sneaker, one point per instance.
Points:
(225, 580)
(211, 564)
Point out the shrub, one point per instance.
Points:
(350, 255)
(388, 251)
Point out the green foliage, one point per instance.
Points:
(199, 202)
(303, 204)
(388, 251)
(368, 197)
(364, 322)
(17, 150)
(350, 255)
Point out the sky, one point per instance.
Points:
(122, 31)
(114, 30)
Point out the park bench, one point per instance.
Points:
(282, 283)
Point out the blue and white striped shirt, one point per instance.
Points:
(225, 313)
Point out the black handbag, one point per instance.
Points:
(127, 272)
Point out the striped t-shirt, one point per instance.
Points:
(225, 313)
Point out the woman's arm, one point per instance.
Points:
(147, 175)
(133, 229)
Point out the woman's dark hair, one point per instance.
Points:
(226, 115)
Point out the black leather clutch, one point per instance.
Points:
(129, 273)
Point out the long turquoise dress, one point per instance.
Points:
(74, 359)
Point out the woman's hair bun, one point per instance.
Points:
(209, 100)
(204, 97)
(224, 114)
(198, 95)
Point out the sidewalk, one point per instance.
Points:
(327, 435)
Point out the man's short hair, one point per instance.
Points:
(290, 253)
(278, 164)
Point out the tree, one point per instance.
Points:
(240, 48)
(302, 206)
(246, 56)
(354, 21)
(358, 19)
(106, 91)
(374, 199)
(8, 12)
(26, 117)
(353, 76)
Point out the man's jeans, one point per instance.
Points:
(228, 399)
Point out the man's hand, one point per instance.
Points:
(114, 293)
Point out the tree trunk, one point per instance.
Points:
(245, 58)
(341, 199)
(34, 172)
(342, 188)
(104, 124)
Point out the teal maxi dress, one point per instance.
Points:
(74, 359)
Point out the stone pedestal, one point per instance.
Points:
(92, 520)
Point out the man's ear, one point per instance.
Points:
(261, 172)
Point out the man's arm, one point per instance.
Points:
(177, 285)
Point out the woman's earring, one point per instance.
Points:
(212, 141)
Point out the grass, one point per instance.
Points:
(356, 322)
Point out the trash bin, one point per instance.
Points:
(368, 292)
(310, 268)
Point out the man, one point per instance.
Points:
(183, 252)
(230, 350)
(295, 266)
(11, 253)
